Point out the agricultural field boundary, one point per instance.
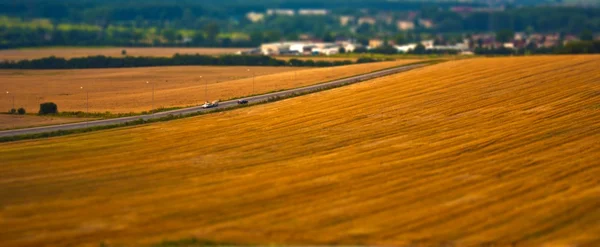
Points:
(82, 127)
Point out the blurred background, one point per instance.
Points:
(378, 26)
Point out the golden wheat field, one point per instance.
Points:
(22, 121)
(125, 90)
(71, 52)
(479, 152)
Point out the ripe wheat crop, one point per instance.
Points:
(487, 151)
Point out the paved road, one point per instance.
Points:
(222, 105)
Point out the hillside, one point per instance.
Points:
(487, 151)
(125, 90)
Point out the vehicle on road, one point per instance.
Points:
(210, 104)
(242, 102)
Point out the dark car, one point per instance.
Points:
(242, 102)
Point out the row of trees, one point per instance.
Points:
(209, 23)
(125, 62)
(579, 47)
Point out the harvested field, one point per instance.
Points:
(71, 52)
(125, 90)
(481, 152)
(22, 121)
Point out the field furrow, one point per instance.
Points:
(484, 151)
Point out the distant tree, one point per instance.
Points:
(21, 111)
(48, 108)
(505, 35)
(586, 35)
(479, 42)
(385, 49)
(198, 38)
(226, 42)
(364, 28)
(124, 52)
(12, 111)
(360, 49)
(420, 49)
(342, 50)
(212, 31)
(399, 39)
(256, 37)
(328, 37)
(272, 36)
(170, 35)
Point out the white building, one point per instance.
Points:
(350, 47)
(302, 48)
(405, 48)
(313, 12)
(255, 17)
(428, 44)
(345, 20)
(275, 48)
(288, 12)
(405, 25)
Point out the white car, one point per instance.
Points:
(210, 104)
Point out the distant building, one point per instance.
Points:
(326, 49)
(551, 40)
(374, 43)
(313, 12)
(288, 12)
(428, 44)
(405, 25)
(275, 48)
(255, 17)
(519, 36)
(426, 23)
(405, 48)
(387, 19)
(350, 47)
(345, 20)
(367, 20)
(302, 48)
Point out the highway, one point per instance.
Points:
(222, 105)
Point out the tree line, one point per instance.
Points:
(213, 23)
(576, 47)
(177, 60)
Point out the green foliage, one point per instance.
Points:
(586, 35)
(400, 39)
(360, 49)
(581, 47)
(211, 30)
(48, 108)
(419, 49)
(177, 59)
(384, 49)
(504, 35)
(165, 23)
(21, 111)
(365, 60)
